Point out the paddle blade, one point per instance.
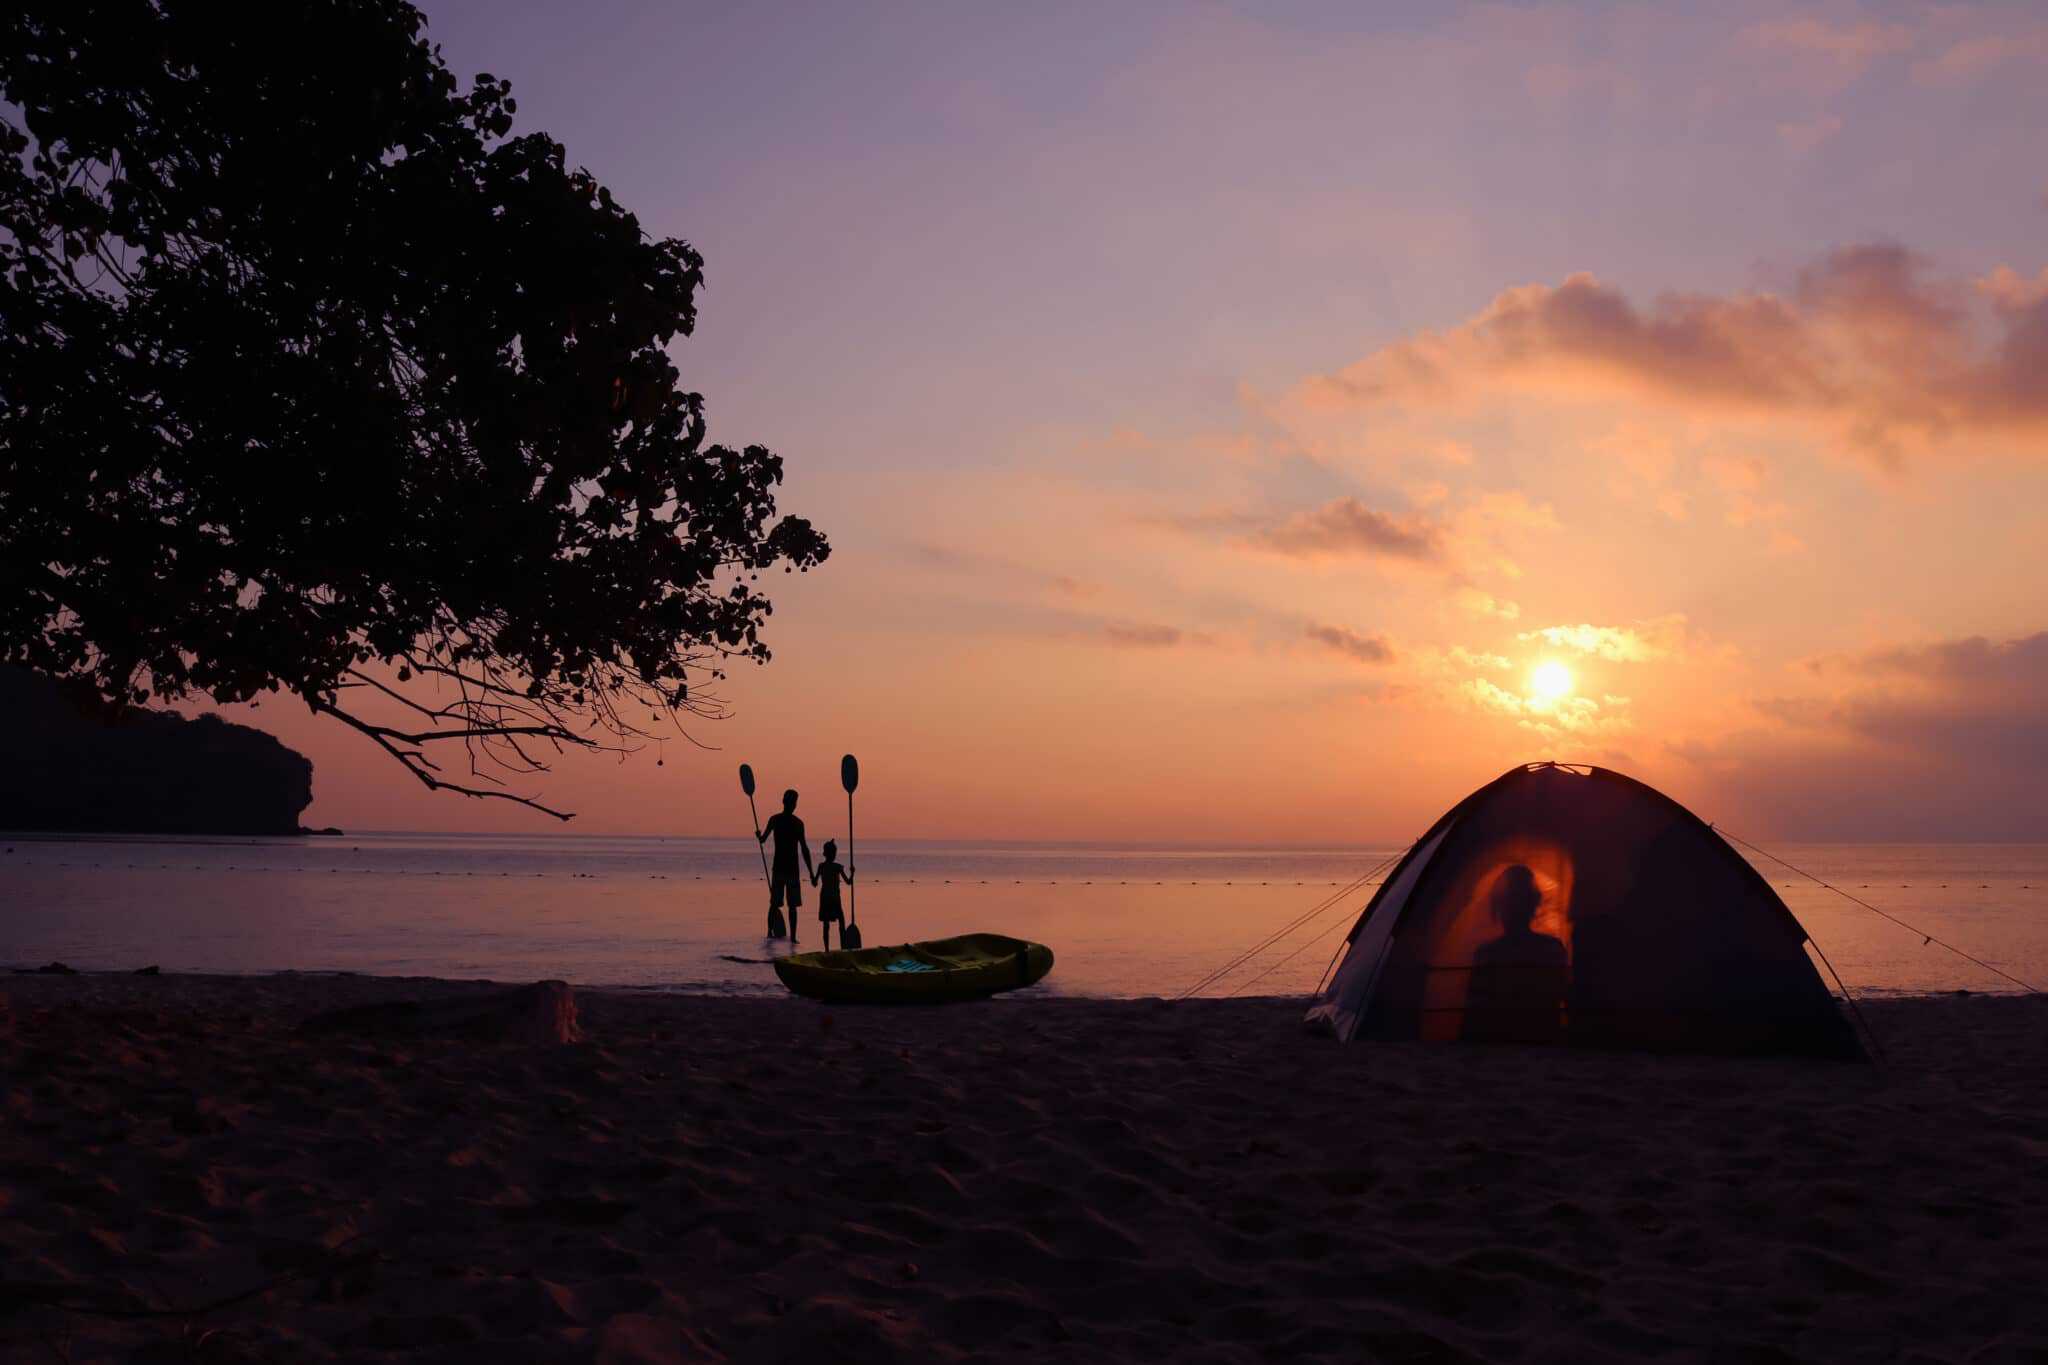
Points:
(849, 773)
(849, 938)
(747, 778)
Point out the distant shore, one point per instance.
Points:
(1084, 1180)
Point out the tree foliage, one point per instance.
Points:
(315, 377)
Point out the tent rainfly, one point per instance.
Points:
(1571, 904)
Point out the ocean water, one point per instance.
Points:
(671, 913)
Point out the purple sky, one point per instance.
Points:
(1214, 437)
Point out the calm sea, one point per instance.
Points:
(669, 913)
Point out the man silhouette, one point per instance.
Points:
(783, 879)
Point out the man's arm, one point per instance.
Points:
(805, 845)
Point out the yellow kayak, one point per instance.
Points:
(929, 973)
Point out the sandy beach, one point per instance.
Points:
(181, 1178)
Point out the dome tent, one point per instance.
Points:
(1571, 904)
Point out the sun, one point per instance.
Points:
(1551, 681)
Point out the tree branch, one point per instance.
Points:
(420, 767)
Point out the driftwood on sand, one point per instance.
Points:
(544, 1012)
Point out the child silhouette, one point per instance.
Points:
(827, 877)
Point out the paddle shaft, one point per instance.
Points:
(761, 848)
(852, 887)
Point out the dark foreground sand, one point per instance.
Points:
(1047, 1180)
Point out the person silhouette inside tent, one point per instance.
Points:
(1519, 980)
(827, 877)
(784, 882)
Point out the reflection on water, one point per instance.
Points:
(1128, 920)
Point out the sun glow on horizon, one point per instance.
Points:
(1550, 681)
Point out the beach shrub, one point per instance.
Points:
(316, 378)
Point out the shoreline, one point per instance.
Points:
(772, 989)
(728, 1178)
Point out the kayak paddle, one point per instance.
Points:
(849, 778)
(776, 927)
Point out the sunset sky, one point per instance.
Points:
(1220, 412)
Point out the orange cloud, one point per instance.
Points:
(1803, 136)
(1865, 343)
(1347, 528)
(2017, 667)
(1366, 649)
(2012, 292)
(1743, 479)
(1143, 636)
(1505, 508)
(1853, 46)
(1549, 717)
(1943, 740)
(1486, 604)
(1970, 58)
(1654, 639)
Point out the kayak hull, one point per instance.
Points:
(935, 972)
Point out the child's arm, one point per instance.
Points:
(814, 876)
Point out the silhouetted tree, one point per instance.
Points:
(313, 377)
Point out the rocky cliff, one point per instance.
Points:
(145, 772)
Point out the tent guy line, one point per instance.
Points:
(1855, 1010)
(1926, 938)
(1300, 948)
(1358, 883)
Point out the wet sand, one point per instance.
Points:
(1066, 1180)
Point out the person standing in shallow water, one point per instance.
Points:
(784, 881)
(826, 877)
